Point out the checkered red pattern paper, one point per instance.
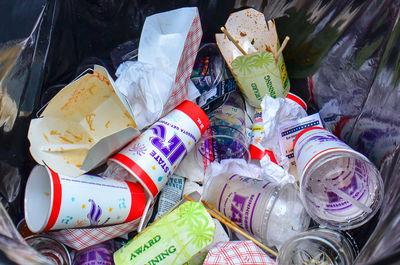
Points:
(85, 237)
(185, 65)
(237, 253)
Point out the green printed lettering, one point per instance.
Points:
(164, 254)
(268, 83)
(256, 91)
(151, 242)
(171, 249)
(139, 251)
(145, 247)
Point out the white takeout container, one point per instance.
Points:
(252, 32)
(84, 124)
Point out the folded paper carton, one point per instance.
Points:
(258, 72)
(85, 123)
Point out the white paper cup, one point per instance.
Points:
(54, 201)
(297, 100)
(153, 156)
(340, 188)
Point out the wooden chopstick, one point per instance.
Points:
(223, 219)
(225, 31)
(284, 43)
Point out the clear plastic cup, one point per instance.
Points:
(53, 250)
(318, 246)
(340, 188)
(270, 212)
(226, 136)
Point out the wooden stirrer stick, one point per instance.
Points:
(225, 31)
(223, 219)
(284, 43)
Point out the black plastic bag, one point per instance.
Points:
(343, 57)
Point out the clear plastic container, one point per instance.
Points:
(270, 212)
(318, 246)
(226, 137)
(53, 250)
(339, 187)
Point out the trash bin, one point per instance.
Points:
(343, 57)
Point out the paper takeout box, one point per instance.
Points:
(85, 123)
(257, 73)
(172, 239)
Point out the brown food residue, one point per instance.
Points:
(78, 92)
(89, 120)
(102, 78)
(78, 165)
(268, 49)
(91, 90)
(66, 139)
(133, 124)
(107, 124)
(77, 138)
(45, 137)
(243, 34)
(54, 132)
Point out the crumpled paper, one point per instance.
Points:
(158, 81)
(276, 111)
(275, 173)
(232, 167)
(135, 81)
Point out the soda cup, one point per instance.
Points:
(54, 201)
(340, 188)
(152, 157)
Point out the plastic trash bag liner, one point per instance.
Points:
(346, 50)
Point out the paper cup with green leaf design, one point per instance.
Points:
(258, 73)
(173, 239)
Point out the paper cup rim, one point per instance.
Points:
(138, 204)
(295, 98)
(151, 194)
(300, 134)
(197, 114)
(27, 215)
(347, 225)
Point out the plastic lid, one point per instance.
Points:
(317, 246)
(196, 114)
(297, 99)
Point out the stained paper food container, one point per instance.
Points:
(258, 73)
(172, 239)
(85, 123)
(54, 201)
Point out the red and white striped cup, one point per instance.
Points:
(54, 201)
(153, 156)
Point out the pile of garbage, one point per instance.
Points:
(196, 154)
